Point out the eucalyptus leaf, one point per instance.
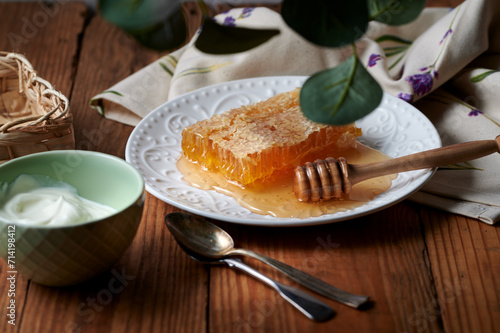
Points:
(159, 25)
(340, 95)
(395, 12)
(327, 22)
(224, 39)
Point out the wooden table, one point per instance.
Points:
(425, 270)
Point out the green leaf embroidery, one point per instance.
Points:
(482, 76)
(392, 51)
(396, 62)
(171, 59)
(202, 70)
(460, 166)
(112, 92)
(97, 105)
(166, 69)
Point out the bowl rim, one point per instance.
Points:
(139, 199)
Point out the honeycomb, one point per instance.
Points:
(259, 141)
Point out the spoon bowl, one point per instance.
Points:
(205, 239)
(199, 236)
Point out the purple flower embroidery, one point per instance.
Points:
(405, 97)
(247, 11)
(421, 83)
(229, 21)
(475, 113)
(373, 59)
(446, 35)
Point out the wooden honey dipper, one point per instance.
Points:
(330, 179)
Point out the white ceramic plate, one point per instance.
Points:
(396, 128)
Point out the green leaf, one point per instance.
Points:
(482, 76)
(340, 95)
(159, 25)
(395, 12)
(221, 39)
(327, 22)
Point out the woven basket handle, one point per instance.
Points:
(48, 92)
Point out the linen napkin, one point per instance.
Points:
(446, 63)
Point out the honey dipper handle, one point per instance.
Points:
(456, 153)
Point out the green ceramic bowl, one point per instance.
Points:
(67, 255)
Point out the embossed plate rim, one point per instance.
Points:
(146, 135)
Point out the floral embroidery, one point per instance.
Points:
(247, 11)
(450, 31)
(405, 97)
(373, 59)
(430, 70)
(231, 21)
(399, 48)
(422, 83)
(475, 113)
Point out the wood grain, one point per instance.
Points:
(465, 259)
(30, 29)
(425, 270)
(377, 255)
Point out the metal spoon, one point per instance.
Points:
(206, 239)
(310, 306)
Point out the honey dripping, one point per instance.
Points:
(277, 198)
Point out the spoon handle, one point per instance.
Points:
(312, 307)
(309, 281)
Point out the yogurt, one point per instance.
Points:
(39, 200)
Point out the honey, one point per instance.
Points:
(260, 142)
(276, 197)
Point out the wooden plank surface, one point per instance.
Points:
(376, 255)
(30, 29)
(465, 259)
(426, 271)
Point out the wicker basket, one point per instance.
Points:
(33, 116)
